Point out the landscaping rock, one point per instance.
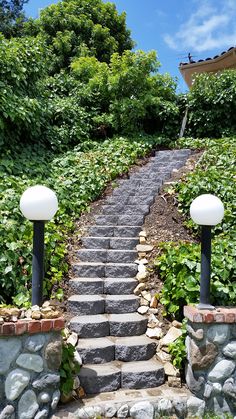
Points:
(27, 406)
(16, 381)
(30, 362)
(142, 410)
(222, 370)
(9, 349)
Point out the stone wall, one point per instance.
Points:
(30, 356)
(211, 354)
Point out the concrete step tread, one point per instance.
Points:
(141, 366)
(91, 343)
(103, 264)
(92, 318)
(95, 297)
(118, 366)
(131, 340)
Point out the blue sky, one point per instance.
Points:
(174, 27)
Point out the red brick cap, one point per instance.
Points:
(219, 315)
(31, 326)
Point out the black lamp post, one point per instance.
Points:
(206, 210)
(39, 204)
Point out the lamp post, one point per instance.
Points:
(206, 210)
(39, 204)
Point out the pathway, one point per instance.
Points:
(115, 351)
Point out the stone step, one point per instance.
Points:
(135, 199)
(106, 256)
(108, 349)
(142, 374)
(86, 304)
(125, 209)
(121, 303)
(125, 192)
(111, 286)
(122, 220)
(100, 325)
(87, 286)
(96, 351)
(117, 231)
(131, 324)
(107, 270)
(99, 378)
(184, 152)
(115, 243)
(93, 326)
(134, 348)
(100, 304)
(119, 286)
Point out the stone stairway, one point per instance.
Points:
(115, 351)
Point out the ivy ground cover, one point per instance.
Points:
(179, 263)
(77, 177)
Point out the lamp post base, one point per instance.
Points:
(202, 306)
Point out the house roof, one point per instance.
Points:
(225, 60)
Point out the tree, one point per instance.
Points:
(11, 16)
(78, 28)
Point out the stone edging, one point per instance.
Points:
(31, 326)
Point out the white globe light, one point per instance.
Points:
(207, 210)
(39, 203)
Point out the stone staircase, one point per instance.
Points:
(115, 351)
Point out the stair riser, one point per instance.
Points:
(110, 243)
(100, 384)
(91, 330)
(87, 287)
(118, 288)
(135, 353)
(108, 231)
(144, 379)
(106, 256)
(122, 306)
(127, 209)
(97, 355)
(128, 329)
(123, 220)
(86, 307)
(108, 271)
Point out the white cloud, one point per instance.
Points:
(210, 26)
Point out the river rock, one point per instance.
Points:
(154, 333)
(55, 399)
(201, 357)
(216, 389)
(73, 339)
(8, 412)
(196, 407)
(144, 248)
(42, 414)
(53, 354)
(15, 383)
(180, 406)
(44, 397)
(229, 388)
(86, 413)
(30, 362)
(142, 410)
(27, 406)
(218, 333)
(110, 411)
(196, 334)
(165, 407)
(123, 411)
(47, 380)
(230, 350)
(194, 385)
(35, 343)
(222, 370)
(9, 349)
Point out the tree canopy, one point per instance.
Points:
(11, 16)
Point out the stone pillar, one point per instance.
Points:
(211, 357)
(30, 357)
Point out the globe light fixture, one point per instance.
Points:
(206, 210)
(39, 204)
